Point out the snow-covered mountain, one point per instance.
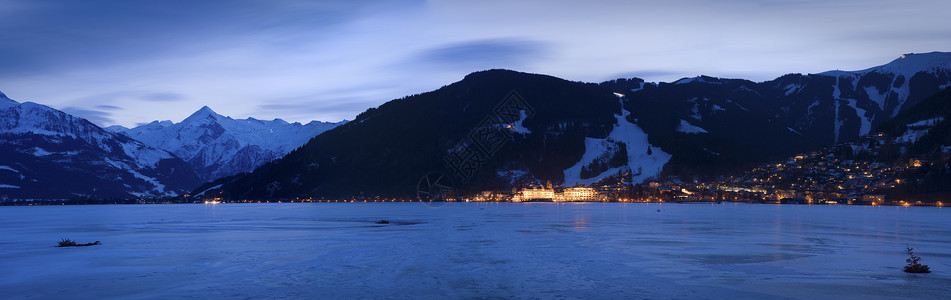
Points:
(578, 134)
(842, 105)
(481, 138)
(217, 146)
(46, 153)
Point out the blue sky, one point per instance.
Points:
(128, 62)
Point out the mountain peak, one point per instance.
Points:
(204, 112)
(906, 65)
(500, 74)
(4, 101)
(921, 60)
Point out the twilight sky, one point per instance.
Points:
(129, 62)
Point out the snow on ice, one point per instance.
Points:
(469, 250)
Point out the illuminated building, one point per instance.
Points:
(580, 194)
(537, 194)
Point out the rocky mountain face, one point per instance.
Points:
(218, 146)
(46, 153)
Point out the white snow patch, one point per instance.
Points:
(694, 79)
(7, 186)
(695, 112)
(158, 187)
(208, 189)
(744, 88)
(642, 166)
(836, 93)
(793, 130)
(686, 127)
(718, 108)
(643, 84)
(791, 88)
(737, 105)
(143, 155)
(861, 113)
(37, 151)
(517, 125)
(911, 136)
(13, 170)
(903, 92)
(838, 124)
(876, 96)
(814, 104)
(928, 122)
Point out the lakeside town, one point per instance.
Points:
(822, 177)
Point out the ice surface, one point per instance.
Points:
(467, 250)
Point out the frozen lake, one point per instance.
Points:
(494, 250)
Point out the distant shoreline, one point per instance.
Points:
(149, 202)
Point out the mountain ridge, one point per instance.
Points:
(47, 153)
(732, 123)
(219, 146)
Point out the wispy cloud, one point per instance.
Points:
(98, 117)
(302, 59)
(108, 107)
(162, 97)
(485, 54)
